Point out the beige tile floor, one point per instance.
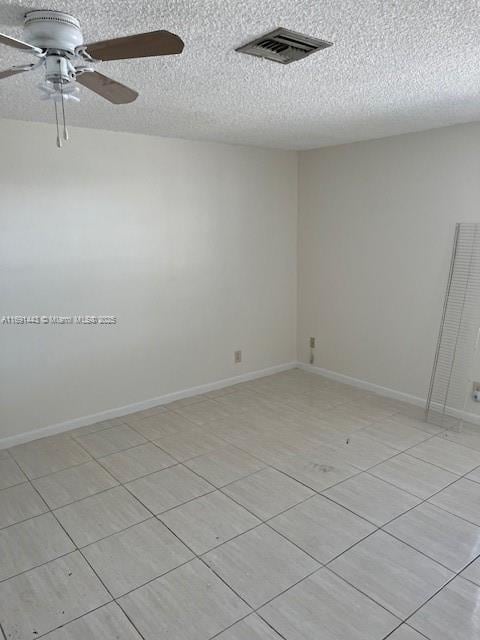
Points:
(288, 507)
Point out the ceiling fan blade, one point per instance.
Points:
(141, 45)
(14, 70)
(109, 89)
(18, 44)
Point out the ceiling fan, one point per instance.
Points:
(56, 40)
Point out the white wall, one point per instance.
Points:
(191, 245)
(376, 225)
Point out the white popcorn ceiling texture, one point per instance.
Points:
(396, 66)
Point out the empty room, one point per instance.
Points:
(240, 320)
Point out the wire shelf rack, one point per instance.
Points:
(459, 331)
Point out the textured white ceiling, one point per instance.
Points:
(396, 66)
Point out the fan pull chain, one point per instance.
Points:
(59, 140)
(65, 132)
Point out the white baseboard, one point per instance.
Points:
(386, 391)
(84, 421)
(364, 384)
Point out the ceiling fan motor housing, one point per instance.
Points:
(59, 69)
(53, 30)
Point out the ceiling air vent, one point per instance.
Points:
(284, 46)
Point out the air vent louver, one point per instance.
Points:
(283, 46)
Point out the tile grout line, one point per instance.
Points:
(257, 611)
(321, 564)
(265, 522)
(325, 565)
(334, 446)
(422, 500)
(475, 584)
(37, 637)
(198, 557)
(406, 451)
(381, 527)
(92, 569)
(402, 620)
(378, 528)
(318, 568)
(244, 477)
(118, 484)
(230, 497)
(262, 521)
(73, 466)
(404, 624)
(455, 575)
(68, 504)
(37, 566)
(438, 434)
(253, 613)
(169, 466)
(104, 586)
(408, 544)
(427, 500)
(345, 402)
(98, 461)
(414, 495)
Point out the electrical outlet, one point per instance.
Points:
(237, 356)
(312, 343)
(476, 391)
